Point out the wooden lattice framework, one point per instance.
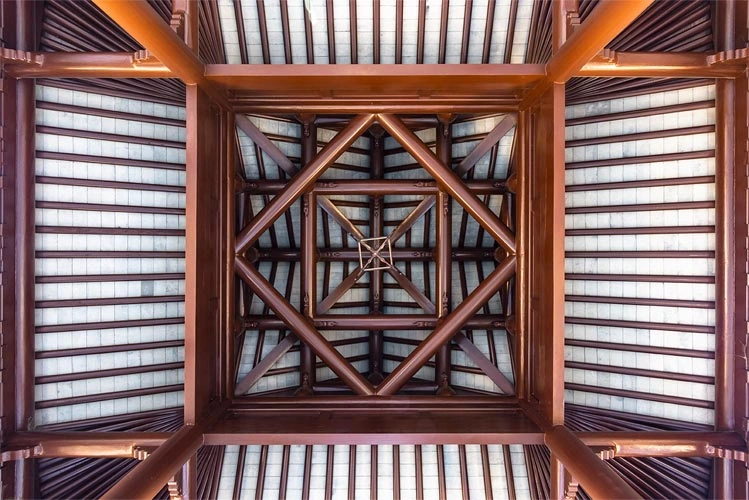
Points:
(531, 412)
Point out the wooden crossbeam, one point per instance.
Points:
(302, 181)
(302, 328)
(447, 328)
(448, 180)
(270, 359)
(262, 141)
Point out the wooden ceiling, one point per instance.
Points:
(638, 358)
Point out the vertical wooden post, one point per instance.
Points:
(377, 227)
(556, 479)
(20, 105)
(523, 238)
(203, 242)
(443, 255)
(730, 246)
(546, 254)
(228, 223)
(308, 269)
(741, 237)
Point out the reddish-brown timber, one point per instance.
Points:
(87, 444)
(308, 258)
(302, 182)
(205, 172)
(448, 181)
(262, 141)
(663, 443)
(546, 255)
(598, 480)
(141, 21)
(602, 25)
(352, 254)
(302, 328)
(342, 420)
(656, 65)
(308, 81)
(87, 65)
(383, 321)
(522, 291)
(443, 253)
(447, 329)
(150, 476)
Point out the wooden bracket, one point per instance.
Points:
(21, 57)
(734, 57)
(13, 454)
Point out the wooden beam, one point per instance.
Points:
(141, 21)
(603, 24)
(86, 444)
(378, 79)
(663, 443)
(414, 104)
(205, 170)
(607, 20)
(260, 369)
(87, 65)
(545, 248)
(443, 254)
(397, 420)
(656, 65)
(374, 187)
(447, 328)
(302, 182)
(262, 141)
(150, 476)
(598, 480)
(522, 285)
(302, 328)
(486, 144)
(489, 369)
(19, 148)
(377, 320)
(448, 181)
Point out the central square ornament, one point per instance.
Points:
(377, 252)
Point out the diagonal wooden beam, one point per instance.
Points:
(302, 327)
(334, 296)
(141, 21)
(147, 478)
(489, 369)
(267, 362)
(447, 328)
(603, 24)
(411, 218)
(340, 218)
(485, 145)
(302, 182)
(598, 479)
(448, 180)
(262, 141)
(151, 475)
(412, 290)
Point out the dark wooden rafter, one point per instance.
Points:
(308, 36)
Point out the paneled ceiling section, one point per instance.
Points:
(481, 149)
(83, 27)
(640, 248)
(375, 32)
